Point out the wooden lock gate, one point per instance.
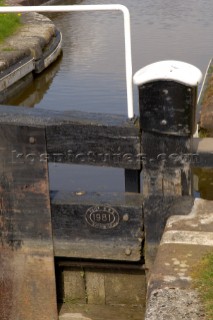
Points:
(39, 225)
(82, 226)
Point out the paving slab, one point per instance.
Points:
(186, 239)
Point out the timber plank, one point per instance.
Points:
(27, 279)
(166, 178)
(97, 226)
(103, 286)
(100, 312)
(167, 118)
(83, 138)
(93, 145)
(73, 286)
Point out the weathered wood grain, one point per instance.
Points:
(74, 286)
(167, 119)
(95, 286)
(103, 285)
(97, 226)
(27, 280)
(81, 137)
(166, 177)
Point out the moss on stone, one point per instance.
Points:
(203, 281)
(9, 23)
(203, 133)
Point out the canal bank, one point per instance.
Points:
(154, 294)
(29, 51)
(186, 240)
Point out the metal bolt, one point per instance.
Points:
(32, 140)
(125, 217)
(128, 252)
(80, 193)
(165, 91)
(164, 122)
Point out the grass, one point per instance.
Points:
(203, 281)
(9, 23)
(203, 133)
(8, 49)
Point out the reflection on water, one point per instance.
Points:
(35, 92)
(91, 75)
(86, 178)
(203, 183)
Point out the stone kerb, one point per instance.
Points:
(30, 50)
(186, 239)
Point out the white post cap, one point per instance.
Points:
(169, 70)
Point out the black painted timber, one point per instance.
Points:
(165, 177)
(167, 107)
(97, 226)
(129, 157)
(167, 120)
(82, 138)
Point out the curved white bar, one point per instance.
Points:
(101, 7)
(178, 71)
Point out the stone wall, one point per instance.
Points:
(186, 239)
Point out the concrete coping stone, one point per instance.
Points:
(199, 219)
(174, 304)
(186, 239)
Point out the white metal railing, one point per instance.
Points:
(106, 7)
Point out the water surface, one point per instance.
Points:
(91, 75)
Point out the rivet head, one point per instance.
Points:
(80, 193)
(128, 251)
(163, 122)
(32, 140)
(165, 91)
(125, 217)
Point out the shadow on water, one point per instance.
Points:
(203, 183)
(36, 90)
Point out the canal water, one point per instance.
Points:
(90, 76)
